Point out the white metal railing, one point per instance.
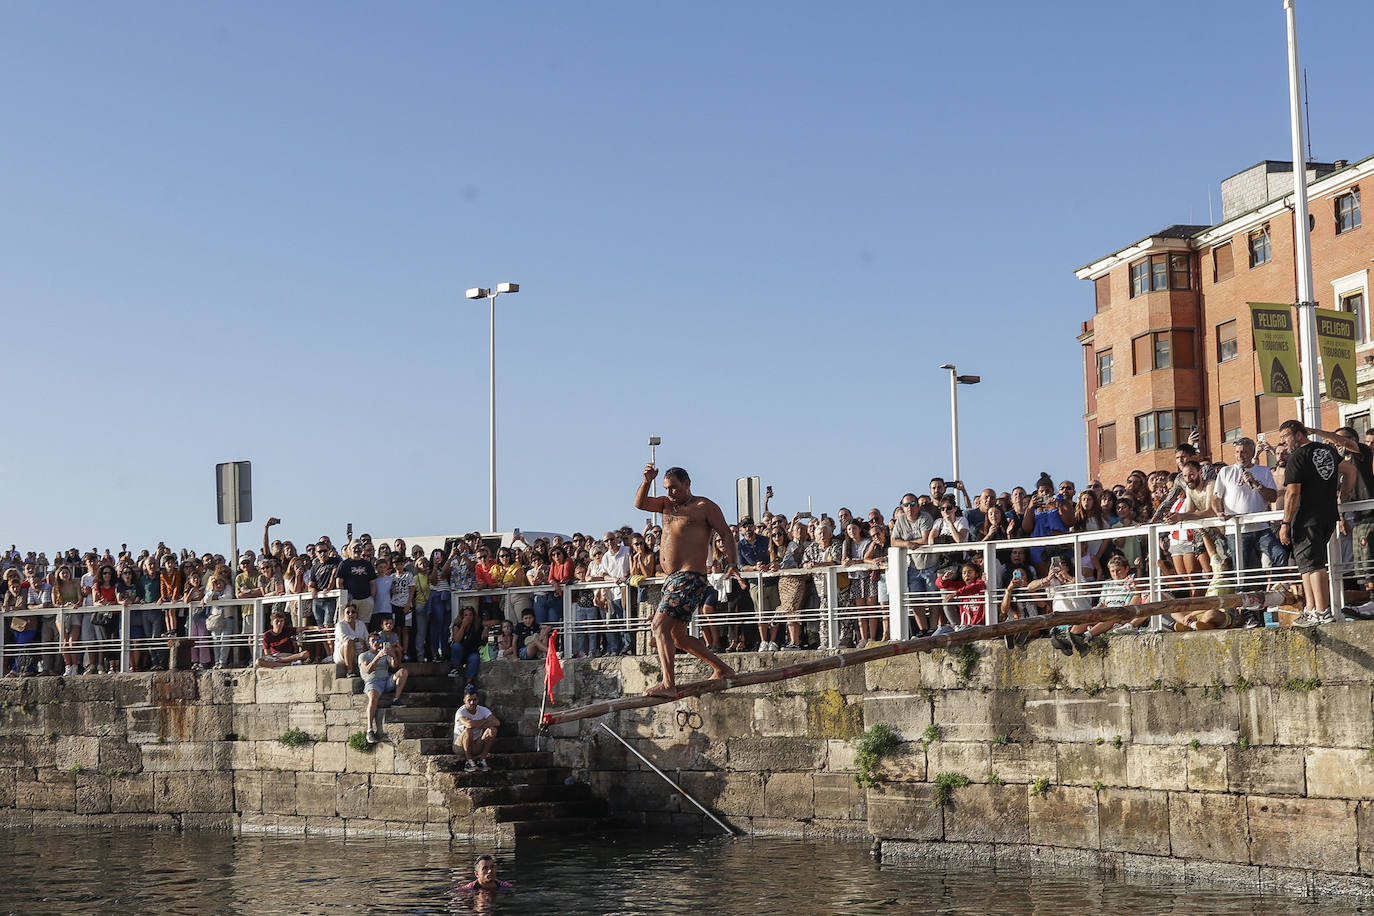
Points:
(832, 610)
(123, 644)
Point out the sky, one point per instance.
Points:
(242, 231)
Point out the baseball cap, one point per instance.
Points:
(471, 688)
(746, 520)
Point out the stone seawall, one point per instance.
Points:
(1235, 755)
(187, 750)
(1238, 755)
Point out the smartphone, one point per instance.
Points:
(768, 491)
(348, 534)
(1259, 437)
(1056, 562)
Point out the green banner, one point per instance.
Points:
(1277, 348)
(1336, 335)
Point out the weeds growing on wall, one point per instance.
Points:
(875, 744)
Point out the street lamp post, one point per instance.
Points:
(478, 292)
(955, 380)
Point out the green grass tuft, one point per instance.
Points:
(945, 784)
(875, 744)
(295, 737)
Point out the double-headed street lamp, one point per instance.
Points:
(490, 295)
(955, 380)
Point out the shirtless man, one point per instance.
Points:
(687, 525)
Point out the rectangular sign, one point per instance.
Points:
(748, 498)
(1336, 337)
(1277, 348)
(234, 491)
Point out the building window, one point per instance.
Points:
(1348, 211)
(1140, 278)
(1267, 413)
(1183, 350)
(1351, 293)
(1230, 421)
(1358, 422)
(1106, 442)
(1104, 368)
(1162, 360)
(1103, 288)
(1160, 272)
(1354, 304)
(1180, 271)
(1227, 346)
(1163, 350)
(1222, 267)
(1260, 252)
(1157, 430)
(1145, 432)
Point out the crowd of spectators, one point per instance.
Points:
(170, 593)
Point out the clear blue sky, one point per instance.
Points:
(243, 230)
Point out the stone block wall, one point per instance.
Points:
(1242, 754)
(202, 750)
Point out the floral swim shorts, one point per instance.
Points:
(684, 594)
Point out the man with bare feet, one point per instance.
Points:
(688, 521)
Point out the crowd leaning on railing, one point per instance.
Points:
(1272, 516)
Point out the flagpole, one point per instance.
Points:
(1307, 319)
(550, 653)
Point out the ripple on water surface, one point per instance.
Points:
(71, 871)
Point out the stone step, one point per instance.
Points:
(432, 699)
(549, 776)
(423, 730)
(529, 812)
(558, 827)
(523, 761)
(419, 714)
(483, 797)
(503, 745)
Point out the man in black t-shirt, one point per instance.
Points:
(357, 576)
(322, 579)
(1362, 522)
(1315, 477)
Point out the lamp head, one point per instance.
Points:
(477, 293)
(655, 440)
(508, 287)
(947, 366)
(969, 379)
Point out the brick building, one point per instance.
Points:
(1169, 345)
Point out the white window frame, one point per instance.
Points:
(1358, 282)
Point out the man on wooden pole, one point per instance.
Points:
(688, 521)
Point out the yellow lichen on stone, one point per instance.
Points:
(829, 715)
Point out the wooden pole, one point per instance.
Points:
(1254, 600)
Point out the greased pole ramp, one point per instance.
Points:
(1251, 600)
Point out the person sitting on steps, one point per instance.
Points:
(474, 731)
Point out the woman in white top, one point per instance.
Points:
(350, 639)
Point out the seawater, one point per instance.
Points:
(130, 872)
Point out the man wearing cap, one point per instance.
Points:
(753, 556)
(1244, 488)
(474, 731)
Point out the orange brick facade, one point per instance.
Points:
(1217, 382)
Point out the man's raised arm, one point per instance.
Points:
(645, 502)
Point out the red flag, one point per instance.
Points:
(553, 668)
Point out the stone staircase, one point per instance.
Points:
(525, 793)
